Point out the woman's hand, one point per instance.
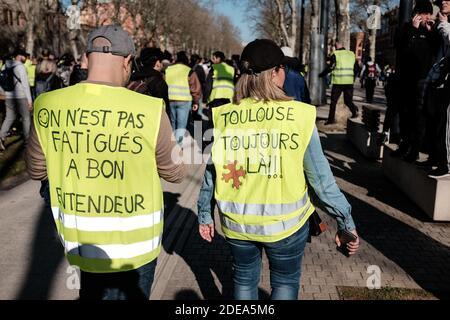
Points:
(206, 231)
(442, 17)
(353, 246)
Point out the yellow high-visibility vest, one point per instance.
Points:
(344, 73)
(258, 155)
(31, 72)
(223, 82)
(177, 78)
(106, 197)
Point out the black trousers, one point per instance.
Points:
(438, 104)
(370, 89)
(336, 92)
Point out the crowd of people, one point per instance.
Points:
(101, 143)
(418, 89)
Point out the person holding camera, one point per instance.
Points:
(416, 47)
(266, 152)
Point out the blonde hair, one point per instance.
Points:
(259, 87)
(47, 66)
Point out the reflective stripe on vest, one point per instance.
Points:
(260, 185)
(266, 230)
(223, 82)
(106, 196)
(343, 72)
(177, 78)
(262, 209)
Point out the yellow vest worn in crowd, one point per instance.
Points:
(106, 197)
(223, 82)
(258, 155)
(343, 73)
(31, 72)
(177, 78)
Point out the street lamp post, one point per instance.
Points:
(324, 22)
(302, 31)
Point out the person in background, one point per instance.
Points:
(295, 84)
(46, 79)
(149, 79)
(116, 248)
(19, 99)
(184, 94)
(342, 64)
(440, 144)
(197, 67)
(30, 65)
(370, 74)
(80, 71)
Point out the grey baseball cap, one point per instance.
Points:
(121, 42)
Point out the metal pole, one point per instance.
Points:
(324, 22)
(405, 12)
(302, 31)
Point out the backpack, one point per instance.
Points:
(372, 72)
(139, 86)
(7, 76)
(439, 75)
(43, 86)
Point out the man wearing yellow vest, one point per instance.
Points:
(342, 68)
(30, 66)
(266, 148)
(184, 92)
(103, 149)
(220, 81)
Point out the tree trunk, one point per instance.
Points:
(314, 53)
(373, 29)
(290, 37)
(343, 22)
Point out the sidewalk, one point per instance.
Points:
(410, 250)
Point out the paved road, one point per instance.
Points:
(410, 250)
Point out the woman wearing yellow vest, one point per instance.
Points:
(266, 152)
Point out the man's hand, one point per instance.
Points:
(194, 107)
(442, 17)
(353, 246)
(416, 21)
(206, 231)
(30, 106)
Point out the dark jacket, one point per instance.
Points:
(78, 74)
(295, 86)
(157, 86)
(416, 51)
(54, 83)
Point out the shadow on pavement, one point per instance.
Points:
(47, 254)
(423, 258)
(211, 263)
(350, 165)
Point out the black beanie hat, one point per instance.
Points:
(423, 6)
(261, 55)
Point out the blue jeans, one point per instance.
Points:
(285, 261)
(179, 116)
(128, 285)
